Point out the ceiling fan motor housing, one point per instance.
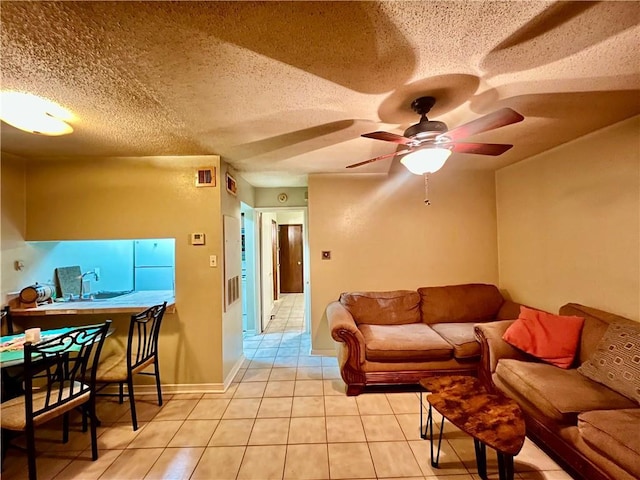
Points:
(429, 127)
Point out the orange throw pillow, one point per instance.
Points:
(551, 338)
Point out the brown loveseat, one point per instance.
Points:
(592, 430)
(399, 337)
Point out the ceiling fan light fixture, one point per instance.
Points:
(34, 114)
(426, 160)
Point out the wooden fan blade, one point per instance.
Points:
(497, 119)
(381, 157)
(387, 137)
(494, 149)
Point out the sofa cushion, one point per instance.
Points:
(460, 303)
(551, 338)
(616, 361)
(412, 342)
(596, 323)
(396, 307)
(614, 433)
(559, 394)
(462, 338)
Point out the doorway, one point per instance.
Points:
(291, 266)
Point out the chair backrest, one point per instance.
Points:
(6, 321)
(65, 367)
(144, 331)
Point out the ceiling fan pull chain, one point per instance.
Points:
(426, 189)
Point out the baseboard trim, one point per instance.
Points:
(174, 388)
(324, 353)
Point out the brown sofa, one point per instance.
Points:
(399, 337)
(590, 429)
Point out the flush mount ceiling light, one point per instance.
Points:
(34, 114)
(427, 160)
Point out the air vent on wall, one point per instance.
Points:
(206, 177)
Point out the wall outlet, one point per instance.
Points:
(213, 260)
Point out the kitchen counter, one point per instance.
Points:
(133, 302)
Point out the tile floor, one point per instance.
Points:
(286, 417)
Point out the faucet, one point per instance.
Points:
(91, 272)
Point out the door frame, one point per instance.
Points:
(306, 274)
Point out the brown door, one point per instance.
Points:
(274, 257)
(290, 237)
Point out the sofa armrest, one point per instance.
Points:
(494, 348)
(343, 329)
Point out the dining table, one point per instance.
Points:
(12, 346)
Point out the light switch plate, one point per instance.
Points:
(213, 260)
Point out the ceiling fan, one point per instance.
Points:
(427, 144)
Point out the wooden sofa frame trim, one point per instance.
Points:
(541, 433)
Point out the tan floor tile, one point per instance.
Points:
(380, 428)
(176, 409)
(307, 430)
(544, 475)
(261, 362)
(242, 408)
(350, 460)
(263, 463)
(132, 463)
(309, 373)
(393, 459)
(373, 404)
(232, 432)
(250, 390)
(156, 434)
(147, 406)
(51, 441)
(84, 468)
(404, 402)
(187, 396)
(340, 405)
(221, 463)
(309, 361)
(410, 424)
(334, 387)
(48, 465)
(279, 389)
(308, 388)
(532, 458)
(285, 362)
(256, 375)
(175, 464)
(269, 431)
(345, 429)
(330, 373)
(226, 394)
(307, 407)
(109, 410)
(286, 373)
(117, 436)
(306, 462)
(194, 433)
(329, 361)
(209, 409)
(448, 464)
(275, 407)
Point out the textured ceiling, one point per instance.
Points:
(283, 89)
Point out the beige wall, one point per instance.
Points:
(383, 237)
(13, 222)
(268, 197)
(232, 317)
(120, 198)
(568, 224)
(290, 217)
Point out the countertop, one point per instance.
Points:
(133, 302)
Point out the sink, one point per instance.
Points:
(107, 295)
(96, 296)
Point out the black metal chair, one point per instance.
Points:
(59, 376)
(6, 322)
(142, 352)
